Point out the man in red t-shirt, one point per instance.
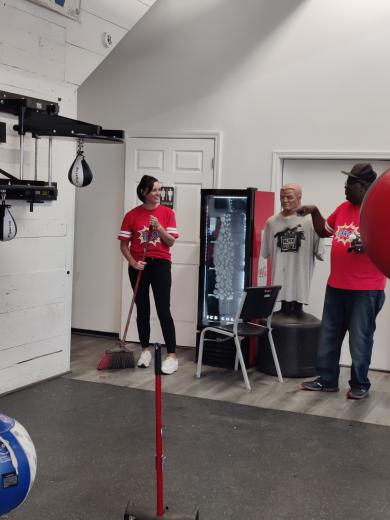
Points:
(354, 294)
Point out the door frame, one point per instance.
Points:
(161, 134)
(278, 157)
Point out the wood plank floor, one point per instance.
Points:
(226, 385)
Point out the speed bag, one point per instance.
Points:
(80, 174)
(375, 222)
(8, 228)
(18, 464)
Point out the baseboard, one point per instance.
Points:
(99, 333)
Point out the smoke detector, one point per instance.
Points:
(107, 40)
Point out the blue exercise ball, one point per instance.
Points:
(18, 464)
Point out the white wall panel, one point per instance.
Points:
(29, 351)
(51, 50)
(183, 289)
(39, 228)
(32, 325)
(22, 29)
(36, 254)
(22, 291)
(44, 42)
(24, 60)
(34, 370)
(124, 13)
(82, 62)
(186, 254)
(188, 228)
(92, 37)
(44, 55)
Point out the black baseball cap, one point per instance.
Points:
(362, 171)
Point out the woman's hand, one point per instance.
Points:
(163, 234)
(154, 222)
(139, 265)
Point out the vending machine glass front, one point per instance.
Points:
(224, 228)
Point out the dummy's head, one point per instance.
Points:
(290, 198)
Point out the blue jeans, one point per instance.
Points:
(355, 312)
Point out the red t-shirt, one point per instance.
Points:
(353, 271)
(135, 228)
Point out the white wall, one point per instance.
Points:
(45, 55)
(286, 74)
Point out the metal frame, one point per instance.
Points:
(237, 341)
(40, 118)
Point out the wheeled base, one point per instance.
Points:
(135, 513)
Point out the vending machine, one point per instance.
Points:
(231, 228)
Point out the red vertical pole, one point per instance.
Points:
(159, 447)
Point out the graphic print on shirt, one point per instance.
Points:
(147, 236)
(344, 232)
(289, 240)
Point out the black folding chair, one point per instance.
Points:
(257, 303)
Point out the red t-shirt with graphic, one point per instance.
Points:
(135, 228)
(353, 271)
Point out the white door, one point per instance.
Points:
(188, 165)
(323, 185)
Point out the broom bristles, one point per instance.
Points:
(117, 358)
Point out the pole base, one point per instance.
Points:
(139, 513)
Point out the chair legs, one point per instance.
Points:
(236, 362)
(200, 353)
(240, 358)
(275, 356)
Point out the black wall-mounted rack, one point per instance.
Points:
(30, 191)
(40, 118)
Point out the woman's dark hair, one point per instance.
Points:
(145, 186)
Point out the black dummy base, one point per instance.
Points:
(296, 336)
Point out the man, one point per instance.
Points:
(354, 294)
(293, 245)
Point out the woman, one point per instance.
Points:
(147, 233)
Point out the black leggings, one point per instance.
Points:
(157, 273)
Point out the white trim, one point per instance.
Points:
(278, 157)
(160, 134)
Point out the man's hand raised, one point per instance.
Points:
(306, 210)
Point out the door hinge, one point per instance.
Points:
(212, 163)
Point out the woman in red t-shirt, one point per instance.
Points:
(147, 233)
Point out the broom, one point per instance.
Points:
(121, 357)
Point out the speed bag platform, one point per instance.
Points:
(296, 337)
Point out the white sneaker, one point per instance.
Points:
(144, 359)
(170, 365)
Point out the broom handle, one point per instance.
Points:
(159, 446)
(131, 306)
(136, 288)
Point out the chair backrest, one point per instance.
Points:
(259, 302)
